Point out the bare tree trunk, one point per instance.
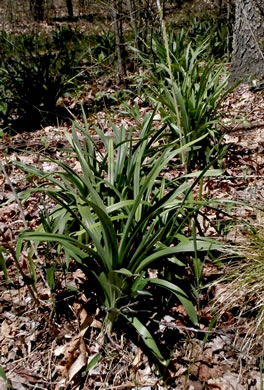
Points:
(248, 42)
(10, 10)
(230, 20)
(37, 9)
(132, 12)
(118, 40)
(146, 20)
(69, 8)
(50, 11)
(147, 17)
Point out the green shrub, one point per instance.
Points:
(35, 70)
(118, 217)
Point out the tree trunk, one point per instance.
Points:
(69, 8)
(131, 13)
(248, 40)
(118, 40)
(37, 10)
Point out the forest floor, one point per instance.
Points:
(51, 352)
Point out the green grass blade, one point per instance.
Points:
(93, 362)
(110, 238)
(111, 161)
(3, 263)
(87, 173)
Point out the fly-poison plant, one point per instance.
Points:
(118, 217)
(190, 90)
(191, 95)
(217, 29)
(36, 70)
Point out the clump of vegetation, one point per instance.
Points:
(241, 292)
(119, 216)
(123, 214)
(35, 70)
(102, 48)
(190, 92)
(38, 70)
(134, 229)
(215, 30)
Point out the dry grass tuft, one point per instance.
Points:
(239, 294)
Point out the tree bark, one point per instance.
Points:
(37, 9)
(118, 40)
(69, 8)
(248, 39)
(132, 21)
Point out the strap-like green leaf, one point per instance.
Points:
(3, 263)
(147, 338)
(111, 246)
(180, 294)
(66, 242)
(202, 245)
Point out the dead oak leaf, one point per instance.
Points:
(75, 356)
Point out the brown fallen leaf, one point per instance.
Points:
(28, 376)
(70, 352)
(138, 358)
(5, 328)
(79, 363)
(203, 372)
(75, 353)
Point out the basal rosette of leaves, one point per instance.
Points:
(190, 90)
(35, 70)
(118, 217)
(218, 29)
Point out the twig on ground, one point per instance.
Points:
(190, 329)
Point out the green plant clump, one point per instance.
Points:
(35, 70)
(117, 218)
(102, 47)
(191, 92)
(215, 29)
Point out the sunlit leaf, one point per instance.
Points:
(180, 294)
(147, 338)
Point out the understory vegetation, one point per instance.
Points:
(131, 212)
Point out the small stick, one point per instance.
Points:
(172, 325)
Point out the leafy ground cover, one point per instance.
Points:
(51, 352)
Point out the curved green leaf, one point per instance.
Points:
(93, 361)
(147, 338)
(66, 242)
(180, 294)
(202, 245)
